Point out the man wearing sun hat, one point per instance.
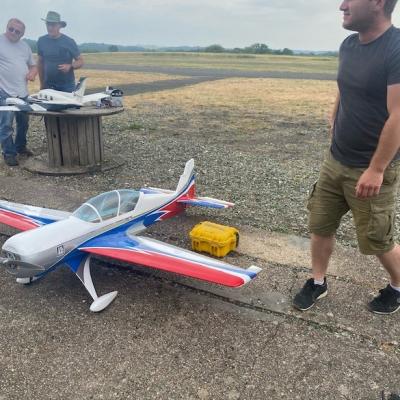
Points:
(58, 56)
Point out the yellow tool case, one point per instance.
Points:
(217, 240)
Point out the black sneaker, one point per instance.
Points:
(309, 294)
(387, 302)
(25, 152)
(11, 161)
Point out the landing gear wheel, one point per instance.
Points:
(26, 281)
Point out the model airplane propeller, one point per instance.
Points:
(55, 100)
(107, 225)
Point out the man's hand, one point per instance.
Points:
(64, 68)
(369, 184)
(31, 75)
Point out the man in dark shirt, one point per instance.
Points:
(361, 172)
(58, 56)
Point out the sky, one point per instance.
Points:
(295, 24)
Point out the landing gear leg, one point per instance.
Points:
(99, 303)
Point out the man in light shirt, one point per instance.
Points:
(17, 67)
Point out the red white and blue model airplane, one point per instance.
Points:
(107, 225)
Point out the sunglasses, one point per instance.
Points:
(13, 30)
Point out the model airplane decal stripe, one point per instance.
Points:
(28, 213)
(202, 203)
(171, 264)
(150, 219)
(18, 221)
(149, 244)
(121, 241)
(175, 206)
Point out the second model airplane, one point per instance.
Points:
(55, 100)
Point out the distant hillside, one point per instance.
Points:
(108, 47)
(105, 47)
(256, 48)
(315, 53)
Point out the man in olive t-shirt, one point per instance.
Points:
(362, 169)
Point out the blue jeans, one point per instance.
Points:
(9, 147)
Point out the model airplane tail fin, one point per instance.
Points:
(187, 182)
(186, 191)
(187, 179)
(80, 88)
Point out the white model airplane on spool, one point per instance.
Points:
(108, 226)
(55, 100)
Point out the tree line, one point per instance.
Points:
(256, 48)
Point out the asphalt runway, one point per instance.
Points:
(194, 76)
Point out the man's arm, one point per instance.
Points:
(371, 180)
(40, 71)
(31, 75)
(334, 112)
(76, 64)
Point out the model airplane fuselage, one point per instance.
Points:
(55, 100)
(108, 225)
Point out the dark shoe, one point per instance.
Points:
(309, 294)
(25, 152)
(387, 302)
(11, 161)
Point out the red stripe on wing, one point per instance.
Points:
(171, 264)
(17, 221)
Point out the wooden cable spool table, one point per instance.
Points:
(74, 141)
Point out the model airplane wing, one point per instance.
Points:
(24, 217)
(93, 98)
(23, 107)
(155, 254)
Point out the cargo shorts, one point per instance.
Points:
(334, 194)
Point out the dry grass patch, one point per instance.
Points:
(303, 98)
(100, 78)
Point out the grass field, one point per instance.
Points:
(296, 98)
(247, 62)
